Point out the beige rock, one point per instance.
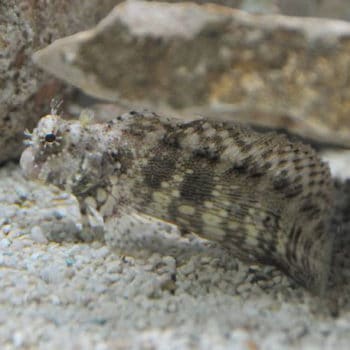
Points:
(25, 92)
(315, 8)
(190, 59)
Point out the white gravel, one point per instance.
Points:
(60, 294)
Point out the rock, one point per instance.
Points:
(338, 162)
(189, 59)
(45, 214)
(316, 8)
(25, 93)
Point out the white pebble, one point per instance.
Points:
(240, 335)
(55, 300)
(37, 235)
(114, 267)
(36, 256)
(112, 278)
(4, 221)
(6, 229)
(101, 253)
(52, 273)
(5, 243)
(18, 339)
(188, 268)
(171, 307)
(19, 244)
(101, 195)
(21, 192)
(244, 287)
(16, 233)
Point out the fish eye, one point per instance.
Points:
(50, 137)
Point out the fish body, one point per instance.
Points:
(261, 196)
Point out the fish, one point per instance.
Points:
(261, 196)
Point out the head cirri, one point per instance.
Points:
(61, 152)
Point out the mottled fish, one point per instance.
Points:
(260, 195)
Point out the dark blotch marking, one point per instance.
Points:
(267, 246)
(267, 166)
(293, 190)
(238, 169)
(282, 162)
(249, 167)
(237, 211)
(246, 147)
(267, 153)
(300, 167)
(198, 186)
(307, 204)
(312, 165)
(207, 153)
(110, 123)
(292, 241)
(172, 211)
(195, 124)
(256, 171)
(283, 184)
(321, 182)
(312, 209)
(159, 169)
(242, 167)
(242, 144)
(271, 223)
(315, 173)
(307, 246)
(171, 139)
(280, 183)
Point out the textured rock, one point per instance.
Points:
(187, 59)
(315, 8)
(29, 210)
(26, 26)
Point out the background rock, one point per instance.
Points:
(26, 26)
(25, 92)
(186, 59)
(315, 8)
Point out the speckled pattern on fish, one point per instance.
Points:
(260, 195)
